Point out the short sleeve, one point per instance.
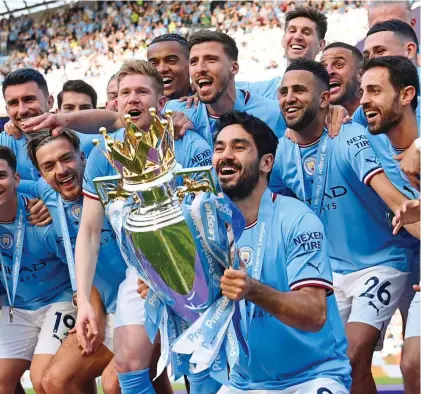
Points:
(86, 144)
(267, 88)
(95, 167)
(307, 260)
(356, 150)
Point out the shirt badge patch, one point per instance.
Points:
(310, 165)
(246, 256)
(76, 211)
(6, 241)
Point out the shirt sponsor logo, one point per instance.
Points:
(310, 165)
(246, 256)
(309, 241)
(6, 241)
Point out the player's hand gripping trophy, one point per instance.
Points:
(179, 239)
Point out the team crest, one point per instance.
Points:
(246, 256)
(76, 211)
(310, 165)
(6, 241)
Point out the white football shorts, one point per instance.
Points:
(130, 305)
(35, 332)
(316, 386)
(109, 332)
(370, 296)
(413, 322)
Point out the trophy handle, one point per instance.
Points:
(205, 184)
(109, 188)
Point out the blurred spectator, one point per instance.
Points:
(90, 40)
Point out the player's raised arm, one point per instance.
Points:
(88, 121)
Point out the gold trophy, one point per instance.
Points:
(154, 229)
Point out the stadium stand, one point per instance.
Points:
(90, 40)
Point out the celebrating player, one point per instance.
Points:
(390, 89)
(333, 175)
(304, 37)
(112, 92)
(213, 66)
(76, 95)
(140, 88)
(39, 294)
(286, 278)
(62, 166)
(380, 11)
(169, 54)
(343, 63)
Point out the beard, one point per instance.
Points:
(306, 118)
(245, 183)
(224, 85)
(350, 91)
(390, 119)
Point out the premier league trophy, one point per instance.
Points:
(176, 237)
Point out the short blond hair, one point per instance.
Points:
(141, 67)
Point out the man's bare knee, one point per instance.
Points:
(7, 387)
(53, 381)
(410, 367)
(110, 384)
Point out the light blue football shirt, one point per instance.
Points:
(260, 107)
(111, 267)
(357, 222)
(295, 256)
(43, 276)
(267, 88)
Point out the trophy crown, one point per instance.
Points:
(142, 156)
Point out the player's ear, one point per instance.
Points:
(266, 163)
(161, 103)
(411, 50)
(235, 68)
(50, 101)
(359, 76)
(413, 22)
(16, 177)
(324, 99)
(322, 44)
(407, 94)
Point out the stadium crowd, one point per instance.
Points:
(322, 160)
(87, 40)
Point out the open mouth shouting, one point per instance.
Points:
(371, 115)
(334, 86)
(135, 113)
(204, 84)
(167, 81)
(68, 181)
(227, 171)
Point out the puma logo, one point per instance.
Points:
(57, 337)
(314, 266)
(409, 191)
(375, 307)
(371, 161)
